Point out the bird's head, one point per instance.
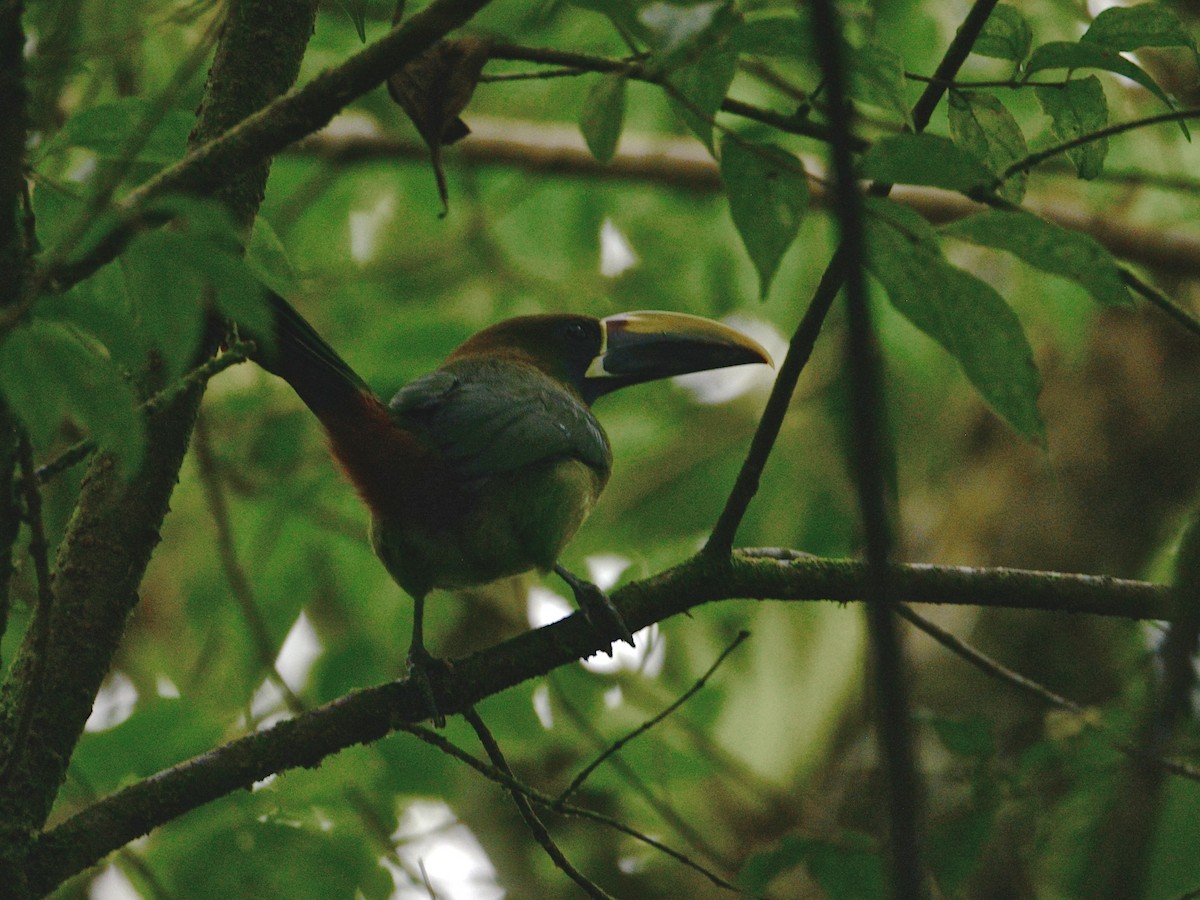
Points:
(597, 356)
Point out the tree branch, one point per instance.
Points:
(581, 62)
(1033, 159)
(683, 163)
(13, 252)
(804, 339)
(535, 825)
(115, 525)
(369, 714)
(869, 443)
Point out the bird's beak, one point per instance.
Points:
(644, 346)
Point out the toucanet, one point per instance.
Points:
(487, 466)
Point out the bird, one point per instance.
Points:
(487, 466)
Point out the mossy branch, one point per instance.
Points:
(371, 713)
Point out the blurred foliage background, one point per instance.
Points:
(769, 772)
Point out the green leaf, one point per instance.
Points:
(622, 13)
(983, 126)
(159, 733)
(215, 250)
(965, 737)
(357, 11)
(109, 129)
(1133, 27)
(956, 846)
(58, 209)
(775, 36)
(675, 29)
(926, 159)
(169, 312)
(847, 869)
(267, 259)
(961, 312)
(1078, 108)
(98, 310)
(237, 294)
(55, 208)
(768, 195)
(603, 115)
(1066, 55)
(1005, 35)
(703, 86)
(1050, 248)
(48, 375)
(877, 79)
(202, 252)
(762, 868)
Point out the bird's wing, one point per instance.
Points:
(495, 420)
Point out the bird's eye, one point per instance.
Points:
(576, 331)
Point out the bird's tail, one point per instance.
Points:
(302, 358)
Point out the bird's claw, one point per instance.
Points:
(597, 608)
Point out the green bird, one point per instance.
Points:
(487, 466)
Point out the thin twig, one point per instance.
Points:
(1033, 159)
(1162, 301)
(540, 834)
(39, 552)
(771, 78)
(800, 348)
(536, 75)
(987, 664)
(111, 176)
(238, 352)
(657, 803)
(788, 123)
(234, 354)
(578, 780)
(435, 739)
(239, 584)
(994, 83)
(1037, 690)
(425, 879)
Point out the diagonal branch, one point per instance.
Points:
(801, 346)
(272, 128)
(536, 827)
(504, 778)
(1034, 159)
(615, 746)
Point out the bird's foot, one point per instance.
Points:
(597, 608)
(420, 662)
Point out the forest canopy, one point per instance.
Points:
(966, 234)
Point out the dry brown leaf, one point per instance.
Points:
(433, 89)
